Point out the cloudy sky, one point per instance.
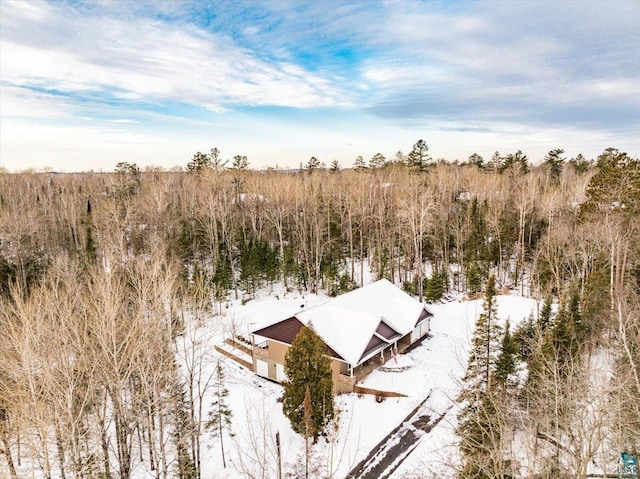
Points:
(85, 85)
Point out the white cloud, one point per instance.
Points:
(147, 60)
(161, 79)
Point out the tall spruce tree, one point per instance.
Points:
(220, 415)
(479, 421)
(485, 343)
(545, 314)
(308, 368)
(505, 366)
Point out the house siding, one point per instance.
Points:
(276, 353)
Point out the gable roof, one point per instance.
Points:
(363, 321)
(285, 331)
(357, 324)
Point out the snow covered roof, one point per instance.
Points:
(383, 299)
(364, 320)
(357, 324)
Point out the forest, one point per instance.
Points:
(100, 271)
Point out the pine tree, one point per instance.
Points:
(485, 342)
(307, 366)
(359, 164)
(474, 278)
(199, 163)
(183, 426)
(525, 336)
(476, 160)
(335, 166)
(215, 161)
(505, 366)
(518, 160)
(419, 157)
(377, 161)
(220, 416)
(561, 341)
(615, 187)
(480, 433)
(575, 316)
(496, 161)
(554, 163)
(312, 165)
(545, 314)
(434, 287)
(240, 162)
(479, 421)
(309, 426)
(580, 164)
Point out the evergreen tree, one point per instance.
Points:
(359, 164)
(485, 343)
(545, 314)
(377, 161)
(518, 160)
(474, 278)
(199, 163)
(335, 166)
(580, 164)
(220, 416)
(419, 157)
(182, 429)
(496, 161)
(240, 162)
(127, 178)
(307, 367)
(525, 336)
(434, 287)
(309, 429)
(506, 363)
(312, 165)
(476, 160)
(215, 161)
(561, 341)
(399, 158)
(615, 186)
(554, 163)
(479, 421)
(575, 316)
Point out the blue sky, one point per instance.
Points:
(84, 85)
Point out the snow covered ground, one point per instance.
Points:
(435, 367)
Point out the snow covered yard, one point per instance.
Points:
(434, 367)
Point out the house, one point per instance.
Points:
(361, 329)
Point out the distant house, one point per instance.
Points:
(361, 329)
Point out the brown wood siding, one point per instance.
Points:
(277, 351)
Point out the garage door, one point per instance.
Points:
(262, 368)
